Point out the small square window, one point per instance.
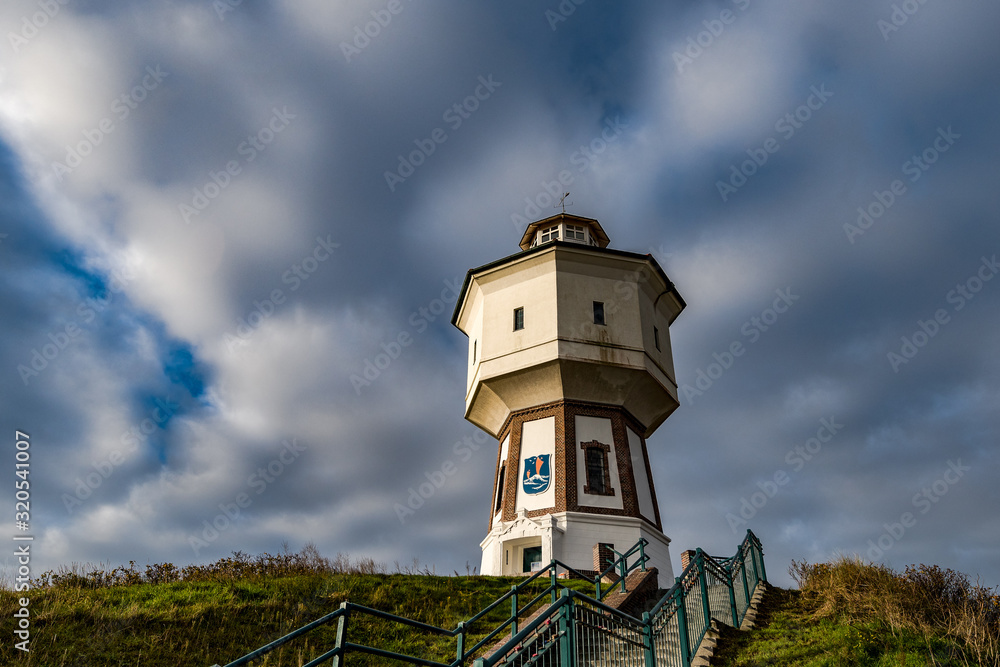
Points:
(598, 312)
(518, 319)
(656, 337)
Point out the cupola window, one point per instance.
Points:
(575, 233)
(550, 234)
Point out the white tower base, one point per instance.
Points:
(568, 537)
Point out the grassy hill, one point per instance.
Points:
(853, 613)
(200, 615)
(846, 613)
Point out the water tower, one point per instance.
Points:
(570, 369)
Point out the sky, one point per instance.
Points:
(232, 234)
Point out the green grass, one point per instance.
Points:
(204, 622)
(789, 633)
(846, 613)
(854, 613)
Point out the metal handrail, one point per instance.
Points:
(748, 561)
(621, 563)
(267, 648)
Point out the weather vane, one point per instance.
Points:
(562, 202)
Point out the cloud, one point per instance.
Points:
(295, 271)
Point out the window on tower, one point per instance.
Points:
(518, 319)
(598, 312)
(475, 342)
(656, 337)
(598, 472)
(595, 471)
(499, 502)
(575, 233)
(549, 234)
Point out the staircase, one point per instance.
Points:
(636, 624)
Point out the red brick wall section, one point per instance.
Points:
(565, 459)
(603, 556)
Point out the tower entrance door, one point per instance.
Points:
(531, 559)
(522, 556)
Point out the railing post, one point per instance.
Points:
(703, 582)
(642, 553)
(552, 579)
(624, 572)
(566, 629)
(460, 649)
(513, 611)
(682, 626)
(758, 549)
(341, 634)
(647, 640)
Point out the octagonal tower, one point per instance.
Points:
(570, 368)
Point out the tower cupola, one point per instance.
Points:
(565, 227)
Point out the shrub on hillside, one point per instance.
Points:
(924, 598)
(239, 566)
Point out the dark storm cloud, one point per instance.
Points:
(306, 262)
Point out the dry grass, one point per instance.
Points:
(239, 566)
(927, 599)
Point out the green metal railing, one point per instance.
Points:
(561, 626)
(707, 588)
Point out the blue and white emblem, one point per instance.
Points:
(536, 474)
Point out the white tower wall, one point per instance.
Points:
(570, 368)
